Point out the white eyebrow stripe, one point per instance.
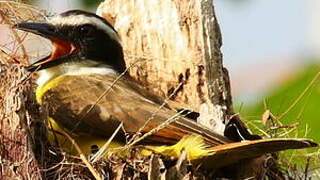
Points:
(76, 20)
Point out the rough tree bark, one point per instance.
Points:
(173, 48)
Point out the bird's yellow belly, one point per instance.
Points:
(87, 143)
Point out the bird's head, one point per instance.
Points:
(77, 37)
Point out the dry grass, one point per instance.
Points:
(16, 96)
(297, 164)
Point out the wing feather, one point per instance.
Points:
(73, 104)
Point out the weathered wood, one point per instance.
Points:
(173, 48)
(217, 75)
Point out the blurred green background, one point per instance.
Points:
(296, 100)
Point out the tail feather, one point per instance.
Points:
(232, 152)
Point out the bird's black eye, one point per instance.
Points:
(87, 30)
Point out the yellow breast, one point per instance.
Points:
(41, 90)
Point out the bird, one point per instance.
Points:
(89, 95)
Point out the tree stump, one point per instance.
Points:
(173, 48)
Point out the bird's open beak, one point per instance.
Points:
(62, 48)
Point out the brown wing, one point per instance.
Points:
(73, 104)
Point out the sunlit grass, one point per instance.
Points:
(291, 110)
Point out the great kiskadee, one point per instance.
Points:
(87, 93)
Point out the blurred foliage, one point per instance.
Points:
(90, 3)
(302, 119)
(304, 113)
